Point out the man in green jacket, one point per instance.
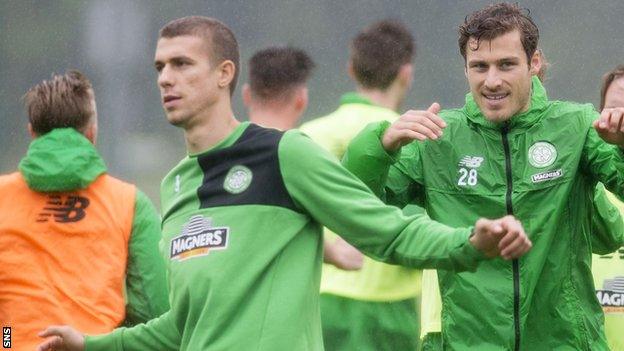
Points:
(243, 216)
(509, 150)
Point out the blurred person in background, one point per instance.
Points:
(608, 269)
(374, 308)
(243, 215)
(277, 94)
(275, 97)
(80, 247)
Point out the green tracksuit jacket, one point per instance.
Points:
(542, 166)
(243, 241)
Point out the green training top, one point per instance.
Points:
(242, 237)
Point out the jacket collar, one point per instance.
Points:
(354, 98)
(539, 102)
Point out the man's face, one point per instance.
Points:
(187, 81)
(615, 94)
(500, 76)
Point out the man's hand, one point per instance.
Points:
(504, 237)
(342, 255)
(412, 125)
(64, 338)
(610, 126)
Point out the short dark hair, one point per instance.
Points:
(607, 79)
(495, 20)
(219, 37)
(275, 70)
(64, 101)
(379, 51)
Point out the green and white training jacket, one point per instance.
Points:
(243, 241)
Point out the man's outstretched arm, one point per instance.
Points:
(158, 334)
(341, 202)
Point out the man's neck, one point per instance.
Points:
(274, 117)
(210, 128)
(391, 98)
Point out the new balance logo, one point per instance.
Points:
(471, 161)
(64, 209)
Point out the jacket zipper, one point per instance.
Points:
(515, 263)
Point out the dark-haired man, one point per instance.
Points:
(431, 302)
(79, 246)
(276, 95)
(374, 308)
(242, 218)
(509, 150)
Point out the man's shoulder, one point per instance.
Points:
(10, 179)
(340, 126)
(112, 181)
(121, 190)
(453, 112)
(296, 145)
(453, 116)
(321, 123)
(349, 114)
(558, 108)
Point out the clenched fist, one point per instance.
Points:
(610, 126)
(504, 236)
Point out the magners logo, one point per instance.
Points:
(611, 297)
(198, 237)
(64, 209)
(544, 176)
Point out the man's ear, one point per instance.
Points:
(246, 95)
(350, 71)
(536, 63)
(301, 99)
(31, 131)
(406, 74)
(227, 70)
(91, 132)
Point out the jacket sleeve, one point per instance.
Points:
(335, 198)
(603, 161)
(146, 287)
(607, 225)
(158, 334)
(390, 177)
